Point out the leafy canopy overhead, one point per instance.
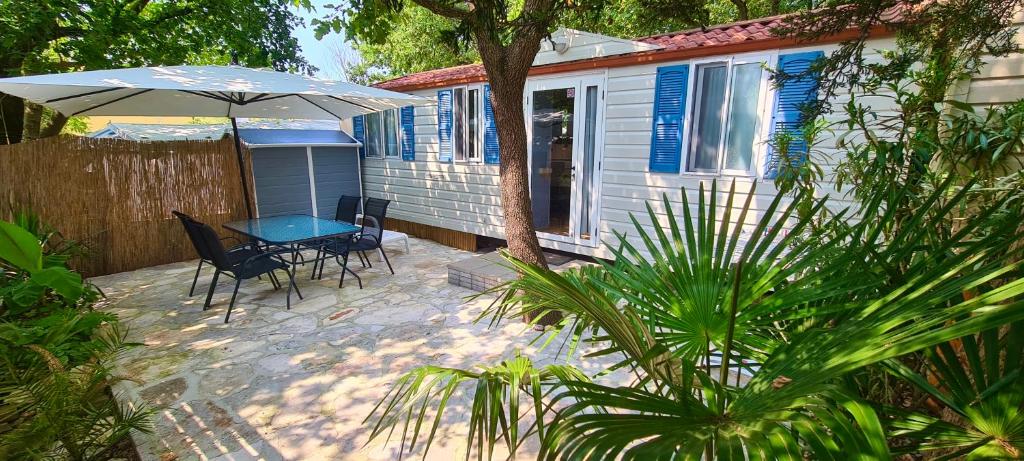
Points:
(49, 36)
(413, 39)
(65, 35)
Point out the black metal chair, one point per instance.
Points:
(368, 239)
(239, 252)
(348, 209)
(254, 266)
(376, 210)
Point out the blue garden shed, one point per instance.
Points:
(297, 168)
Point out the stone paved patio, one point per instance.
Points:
(296, 384)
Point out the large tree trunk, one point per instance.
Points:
(12, 113)
(54, 126)
(33, 121)
(742, 10)
(507, 68)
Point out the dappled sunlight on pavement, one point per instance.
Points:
(297, 384)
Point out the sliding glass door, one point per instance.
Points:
(563, 121)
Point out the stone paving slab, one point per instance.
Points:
(296, 384)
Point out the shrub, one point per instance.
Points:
(55, 353)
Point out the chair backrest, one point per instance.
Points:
(193, 236)
(348, 206)
(378, 209)
(212, 245)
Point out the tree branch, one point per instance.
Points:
(742, 11)
(444, 9)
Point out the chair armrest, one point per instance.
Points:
(266, 254)
(372, 220)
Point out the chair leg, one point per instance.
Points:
(361, 261)
(288, 298)
(344, 266)
(191, 291)
(380, 254)
(385, 256)
(316, 264)
(274, 281)
(291, 279)
(209, 293)
(234, 294)
(344, 269)
(367, 258)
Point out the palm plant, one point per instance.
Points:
(977, 378)
(52, 410)
(692, 311)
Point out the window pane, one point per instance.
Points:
(373, 135)
(707, 132)
(458, 116)
(391, 133)
(746, 89)
(472, 114)
(589, 142)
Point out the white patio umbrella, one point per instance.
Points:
(204, 91)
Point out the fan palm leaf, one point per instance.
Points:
(781, 306)
(977, 378)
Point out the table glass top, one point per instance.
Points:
(291, 228)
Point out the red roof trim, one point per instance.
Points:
(740, 37)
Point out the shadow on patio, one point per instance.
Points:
(296, 384)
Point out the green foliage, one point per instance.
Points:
(414, 39)
(396, 38)
(791, 316)
(978, 378)
(56, 408)
(938, 44)
(419, 41)
(19, 248)
(47, 36)
(55, 352)
(77, 125)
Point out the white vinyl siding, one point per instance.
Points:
(466, 197)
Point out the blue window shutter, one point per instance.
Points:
(491, 149)
(669, 107)
(359, 132)
(408, 115)
(787, 112)
(444, 125)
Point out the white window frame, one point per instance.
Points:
(763, 108)
(381, 137)
(465, 140)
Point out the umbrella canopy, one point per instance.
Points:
(210, 91)
(204, 91)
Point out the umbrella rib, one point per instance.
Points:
(208, 95)
(147, 90)
(256, 98)
(271, 98)
(346, 101)
(79, 95)
(318, 106)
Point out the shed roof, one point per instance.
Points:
(255, 133)
(286, 137)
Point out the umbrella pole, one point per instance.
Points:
(241, 167)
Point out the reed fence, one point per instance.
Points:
(116, 196)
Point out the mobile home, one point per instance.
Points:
(612, 124)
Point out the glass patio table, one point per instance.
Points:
(294, 232)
